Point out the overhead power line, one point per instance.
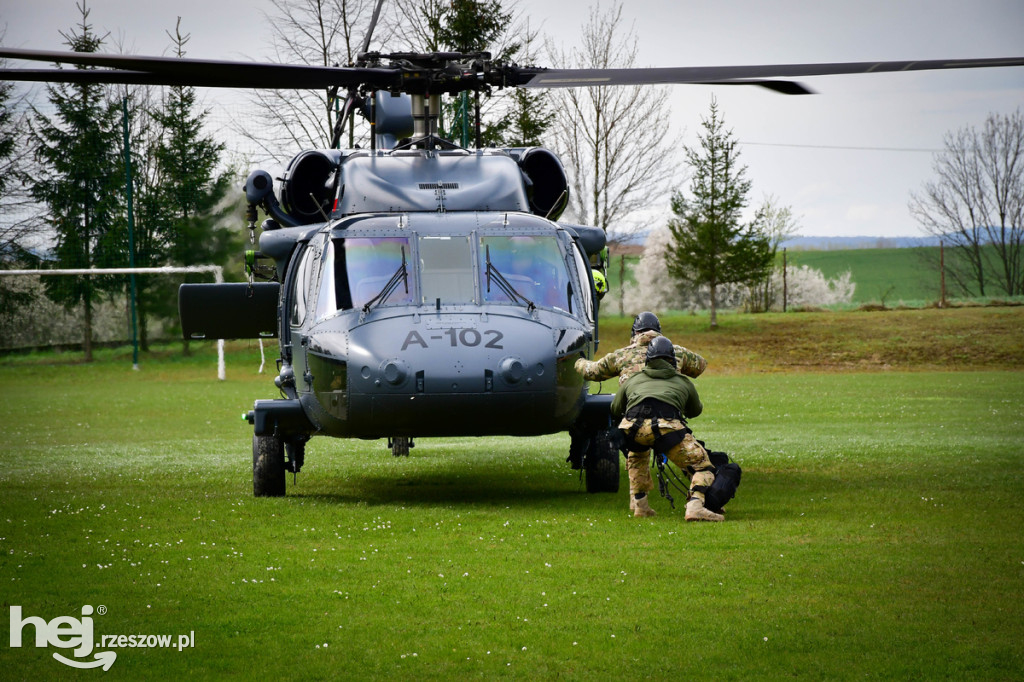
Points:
(844, 147)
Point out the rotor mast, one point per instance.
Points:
(425, 111)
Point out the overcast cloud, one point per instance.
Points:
(845, 159)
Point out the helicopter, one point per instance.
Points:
(419, 289)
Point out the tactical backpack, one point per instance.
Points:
(727, 480)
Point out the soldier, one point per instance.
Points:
(654, 405)
(625, 362)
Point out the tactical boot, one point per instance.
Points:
(641, 507)
(695, 511)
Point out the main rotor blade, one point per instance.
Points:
(372, 26)
(198, 72)
(751, 75)
(414, 76)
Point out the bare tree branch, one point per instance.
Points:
(315, 32)
(976, 204)
(613, 140)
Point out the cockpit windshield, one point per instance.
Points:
(531, 264)
(367, 272)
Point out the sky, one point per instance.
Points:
(844, 160)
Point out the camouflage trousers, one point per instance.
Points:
(685, 453)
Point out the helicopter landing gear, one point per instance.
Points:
(400, 445)
(601, 462)
(267, 466)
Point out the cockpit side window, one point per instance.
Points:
(301, 291)
(582, 272)
(531, 264)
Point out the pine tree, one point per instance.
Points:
(190, 186)
(711, 247)
(81, 181)
(14, 230)
(529, 113)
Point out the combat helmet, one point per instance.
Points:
(600, 284)
(646, 321)
(661, 347)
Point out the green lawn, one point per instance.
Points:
(875, 535)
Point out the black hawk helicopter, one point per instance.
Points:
(418, 288)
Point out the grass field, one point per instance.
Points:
(875, 535)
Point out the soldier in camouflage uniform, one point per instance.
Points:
(654, 406)
(625, 362)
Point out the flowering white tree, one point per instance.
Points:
(807, 286)
(656, 290)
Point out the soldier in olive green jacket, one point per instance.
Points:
(653, 406)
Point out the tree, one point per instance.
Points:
(710, 245)
(315, 32)
(177, 207)
(469, 26)
(17, 225)
(976, 205)
(612, 140)
(81, 180)
(528, 114)
(777, 224)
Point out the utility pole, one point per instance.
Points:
(131, 231)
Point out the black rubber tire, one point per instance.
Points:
(268, 474)
(601, 465)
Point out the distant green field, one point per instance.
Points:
(889, 275)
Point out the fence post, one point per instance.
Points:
(942, 275)
(785, 291)
(622, 284)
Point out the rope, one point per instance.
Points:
(664, 482)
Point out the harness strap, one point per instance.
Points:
(670, 439)
(650, 408)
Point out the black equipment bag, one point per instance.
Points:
(727, 480)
